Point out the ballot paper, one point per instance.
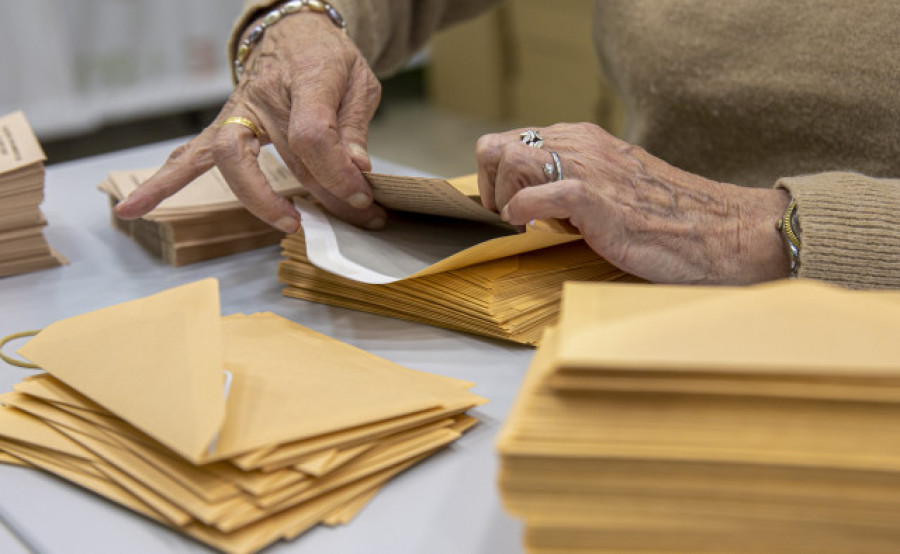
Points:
(23, 247)
(688, 419)
(204, 220)
(168, 408)
(443, 259)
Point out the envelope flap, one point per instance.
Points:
(792, 327)
(409, 248)
(308, 384)
(497, 248)
(155, 362)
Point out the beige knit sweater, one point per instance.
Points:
(803, 95)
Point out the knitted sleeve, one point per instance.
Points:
(387, 32)
(850, 228)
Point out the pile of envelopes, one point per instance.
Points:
(237, 431)
(202, 221)
(23, 247)
(678, 419)
(443, 260)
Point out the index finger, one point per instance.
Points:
(488, 153)
(185, 163)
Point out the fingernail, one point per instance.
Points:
(360, 200)
(375, 224)
(531, 223)
(124, 205)
(287, 225)
(504, 214)
(358, 150)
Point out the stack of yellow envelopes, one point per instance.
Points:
(202, 221)
(238, 430)
(23, 247)
(504, 284)
(513, 298)
(677, 419)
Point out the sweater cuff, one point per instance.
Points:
(850, 228)
(240, 25)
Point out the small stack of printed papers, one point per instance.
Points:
(23, 247)
(691, 419)
(237, 431)
(202, 221)
(443, 260)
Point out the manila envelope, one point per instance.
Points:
(169, 365)
(427, 246)
(788, 328)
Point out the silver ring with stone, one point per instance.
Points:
(531, 138)
(557, 166)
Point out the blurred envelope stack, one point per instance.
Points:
(238, 430)
(443, 260)
(202, 221)
(679, 419)
(23, 247)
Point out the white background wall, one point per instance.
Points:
(72, 65)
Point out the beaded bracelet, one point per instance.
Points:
(273, 17)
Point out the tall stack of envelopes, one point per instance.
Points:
(237, 431)
(202, 221)
(675, 419)
(23, 247)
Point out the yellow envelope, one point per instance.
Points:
(99, 485)
(790, 327)
(156, 362)
(166, 364)
(454, 198)
(25, 428)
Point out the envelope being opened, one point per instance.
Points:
(443, 259)
(412, 246)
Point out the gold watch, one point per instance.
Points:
(789, 225)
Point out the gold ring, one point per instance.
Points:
(243, 121)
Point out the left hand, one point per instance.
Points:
(635, 210)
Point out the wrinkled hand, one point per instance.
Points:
(312, 94)
(641, 214)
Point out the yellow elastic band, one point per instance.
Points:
(13, 361)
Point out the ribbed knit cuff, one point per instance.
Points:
(850, 228)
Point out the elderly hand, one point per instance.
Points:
(312, 94)
(641, 214)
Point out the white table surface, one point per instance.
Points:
(446, 504)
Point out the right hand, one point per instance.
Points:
(312, 94)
